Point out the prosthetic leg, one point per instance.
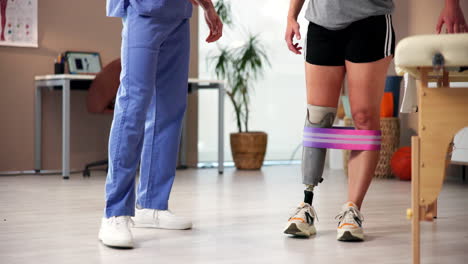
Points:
(313, 159)
(301, 223)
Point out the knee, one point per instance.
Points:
(366, 119)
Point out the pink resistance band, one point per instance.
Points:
(342, 138)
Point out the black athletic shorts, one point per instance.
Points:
(366, 40)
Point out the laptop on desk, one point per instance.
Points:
(83, 63)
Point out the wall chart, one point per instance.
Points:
(18, 23)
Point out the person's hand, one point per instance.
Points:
(452, 17)
(214, 24)
(212, 19)
(292, 30)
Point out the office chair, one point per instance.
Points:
(101, 100)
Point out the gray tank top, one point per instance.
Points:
(338, 14)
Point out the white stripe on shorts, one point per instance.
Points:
(305, 48)
(386, 37)
(390, 33)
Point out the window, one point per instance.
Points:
(278, 101)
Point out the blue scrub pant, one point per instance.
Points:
(149, 109)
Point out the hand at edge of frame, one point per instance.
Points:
(452, 16)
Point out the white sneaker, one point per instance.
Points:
(350, 223)
(301, 222)
(163, 219)
(115, 232)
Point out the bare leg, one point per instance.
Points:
(324, 84)
(366, 83)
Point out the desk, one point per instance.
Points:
(68, 82)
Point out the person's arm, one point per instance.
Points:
(452, 17)
(212, 19)
(293, 28)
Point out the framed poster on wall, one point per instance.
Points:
(18, 23)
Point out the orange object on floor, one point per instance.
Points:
(401, 163)
(386, 107)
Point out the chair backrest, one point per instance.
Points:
(103, 90)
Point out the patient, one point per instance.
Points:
(352, 39)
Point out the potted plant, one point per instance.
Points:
(240, 67)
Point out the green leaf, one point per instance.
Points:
(223, 8)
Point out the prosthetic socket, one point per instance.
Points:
(313, 159)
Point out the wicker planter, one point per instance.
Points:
(248, 149)
(390, 127)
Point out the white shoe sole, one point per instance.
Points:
(300, 229)
(169, 227)
(116, 243)
(350, 235)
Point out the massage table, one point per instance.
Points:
(432, 65)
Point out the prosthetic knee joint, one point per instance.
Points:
(320, 135)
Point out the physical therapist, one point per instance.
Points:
(149, 108)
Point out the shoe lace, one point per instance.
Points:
(297, 209)
(351, 210)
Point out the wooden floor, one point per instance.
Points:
(238, 218)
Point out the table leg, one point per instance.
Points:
(66, 130)
(463, 173)
(415, 191)
(221, 93)
(37, 128)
